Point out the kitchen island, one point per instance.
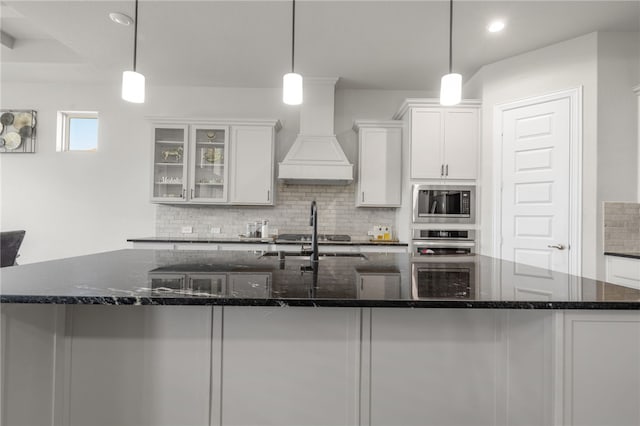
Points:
(168, 337)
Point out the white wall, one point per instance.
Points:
(617, 125)
(565, 65)
(77, 202)
(81, 202)
(605, 65)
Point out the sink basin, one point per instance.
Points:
(306, 255)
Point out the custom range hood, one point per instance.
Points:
(316, 156)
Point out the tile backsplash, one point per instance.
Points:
(337, 214)
(621, 227)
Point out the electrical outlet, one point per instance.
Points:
(187, 229)
(215, 230)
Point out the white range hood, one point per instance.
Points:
(316, 156)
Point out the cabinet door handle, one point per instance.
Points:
(268, 195)
(446, 173)
(441, 170)
(363, 196)
(184, 192)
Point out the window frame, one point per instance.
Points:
(64, 125)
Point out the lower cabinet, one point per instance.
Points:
(602, 369)
(201, 365)
(425, 372)
(290, 366)
(623, 271)
(382, 286)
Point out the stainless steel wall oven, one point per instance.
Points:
(444, 265)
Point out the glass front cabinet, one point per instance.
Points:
(169, 182)
(208, 159)
(192, 163)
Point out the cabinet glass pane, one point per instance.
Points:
(167, 283)
(208, 285)
(210, 161)
(169, 163)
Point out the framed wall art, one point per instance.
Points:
(17, 131)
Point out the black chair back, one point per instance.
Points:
(10, 242)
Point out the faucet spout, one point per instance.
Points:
(313, 221)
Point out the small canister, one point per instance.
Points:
(251, 230)
(265, 229)
(258, 232)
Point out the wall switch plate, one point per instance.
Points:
(215, 230)
(187, 229)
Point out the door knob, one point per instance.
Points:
(556, 246)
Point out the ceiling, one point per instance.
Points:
(368, 44)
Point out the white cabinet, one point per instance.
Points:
(252, 153)
(250, 285)
(637, 92)
(601, 368)
(169, 169)
(208, 164)
(290, 366)
(623, 271)
(380, 169)
(373, 286)
(226, 162)
(443, 140)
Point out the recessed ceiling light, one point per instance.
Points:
(120, 18)
(495, 26)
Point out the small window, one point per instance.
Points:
(77, 131)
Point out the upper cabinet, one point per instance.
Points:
(443, 141)
(227, 162)
(380, 168)
(252, 171)
(208, 170)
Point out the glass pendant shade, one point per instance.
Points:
(292, 89)
(133, 87)
(451, 89)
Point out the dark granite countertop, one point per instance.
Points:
(629, 254)
(242, 240)
(174, 277)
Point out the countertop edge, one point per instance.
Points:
(255, 241)
(618, 254)
(346, 303)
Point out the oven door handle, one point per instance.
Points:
(445, 244)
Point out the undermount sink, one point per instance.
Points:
(306, 255)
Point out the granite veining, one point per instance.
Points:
(172, 277)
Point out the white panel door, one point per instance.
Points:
(535, 198)
(252, 164)
(426, 143)
(380, 167)
(461, 143)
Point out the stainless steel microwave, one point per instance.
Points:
(444, 203)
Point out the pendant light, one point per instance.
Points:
(132, 81)
(292, 82)
(451, 84)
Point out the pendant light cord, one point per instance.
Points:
(450, 36)
(135, 38)
(293, 34)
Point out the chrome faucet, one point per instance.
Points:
(314, 235)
